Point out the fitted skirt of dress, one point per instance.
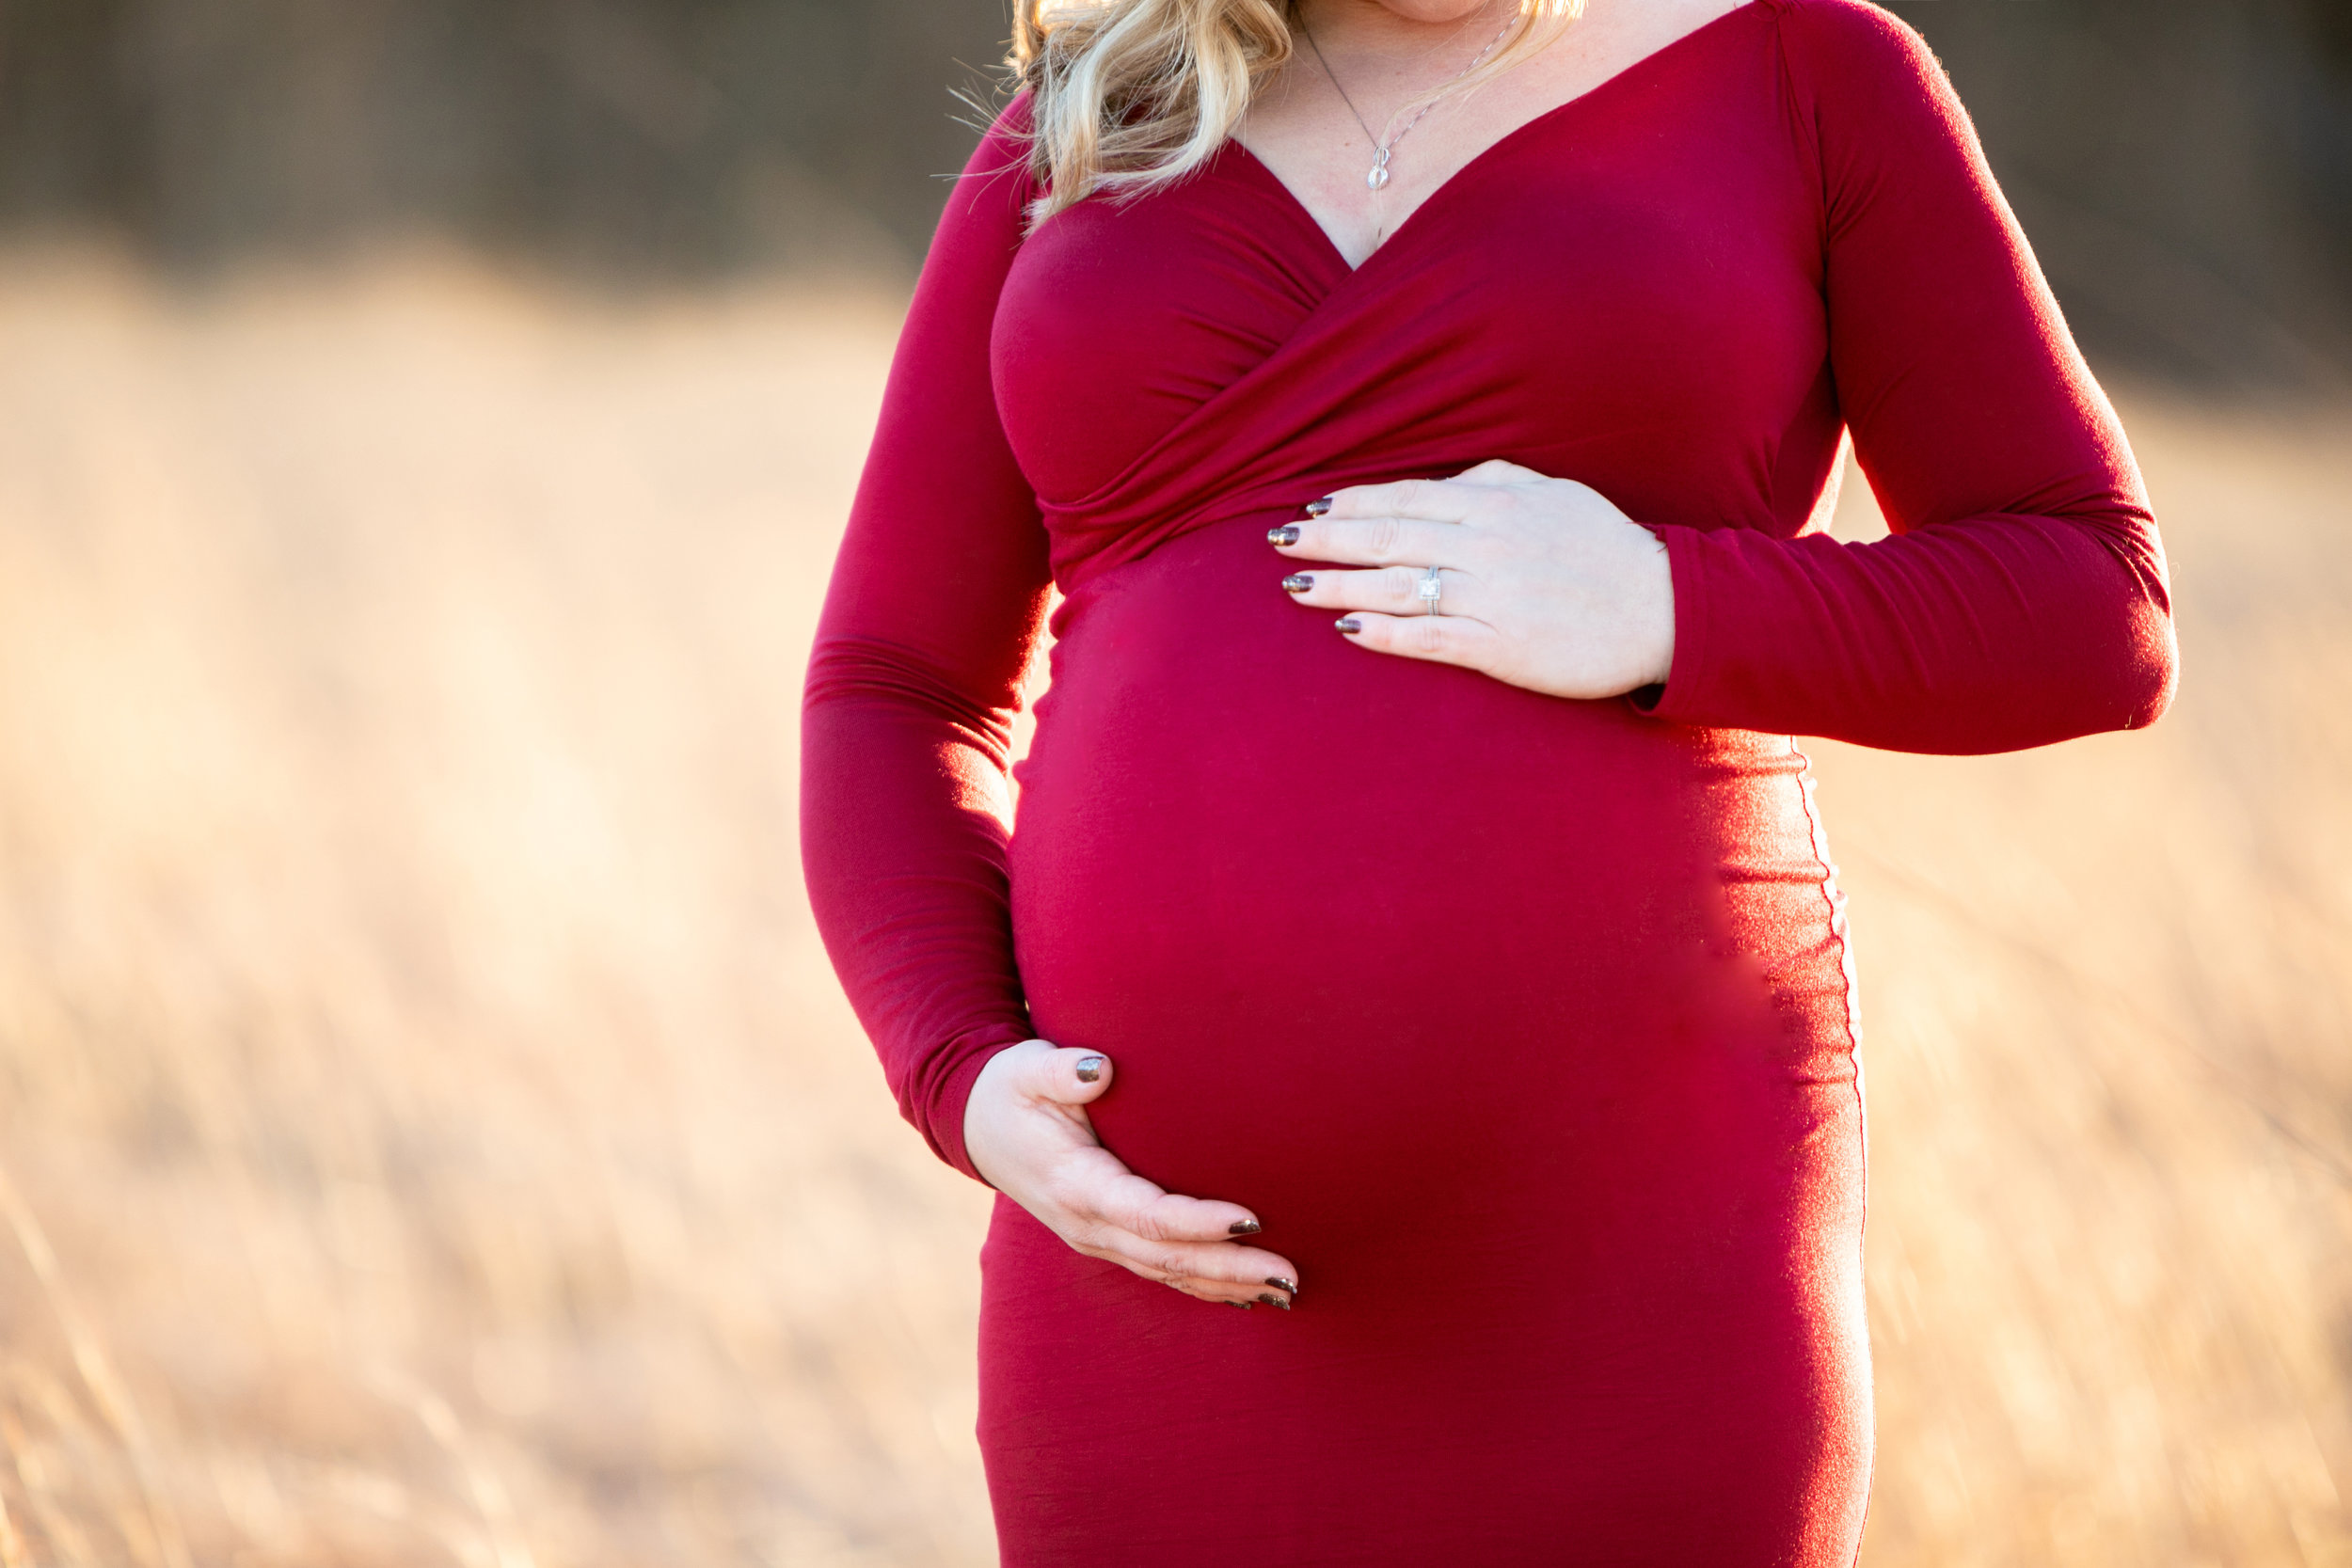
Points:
(1525, 1027)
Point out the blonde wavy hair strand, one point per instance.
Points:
(1129, 96)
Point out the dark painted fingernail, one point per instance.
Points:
(1244, 1227)
(1350, 625)
(1281, 1284)
(1090, 1069)
(1286, 534)
(1298, 582)
(1276, 1301)
(1317, 508)
(1243, 1305)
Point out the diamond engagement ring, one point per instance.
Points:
(1429, 589)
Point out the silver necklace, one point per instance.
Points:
(1381, 150)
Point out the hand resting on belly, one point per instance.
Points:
(1541, 582)
(1026, 1131)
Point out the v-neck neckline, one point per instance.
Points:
(1484, 155)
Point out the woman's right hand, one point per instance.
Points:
(1026, 1131)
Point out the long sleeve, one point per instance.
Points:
(934, 610)
(2022, 597)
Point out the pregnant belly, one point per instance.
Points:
(1380, 944)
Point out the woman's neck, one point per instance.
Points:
(1374, 29)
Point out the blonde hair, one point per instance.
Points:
(1129, 96)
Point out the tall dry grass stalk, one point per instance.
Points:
(428, 1132)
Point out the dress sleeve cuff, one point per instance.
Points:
(1677, 700)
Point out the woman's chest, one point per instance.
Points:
(1639, 272)
(1351, 132)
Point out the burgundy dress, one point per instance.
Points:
(1525, 1025)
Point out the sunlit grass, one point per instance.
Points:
(430, 1133)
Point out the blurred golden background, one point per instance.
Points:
(429, 1131)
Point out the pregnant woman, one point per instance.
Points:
(1416, 917)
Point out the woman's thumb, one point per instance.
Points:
(1069, 1077)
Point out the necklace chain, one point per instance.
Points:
(1381, 151)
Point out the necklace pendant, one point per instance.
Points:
(1379, 175)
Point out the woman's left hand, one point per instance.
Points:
(1542, 582)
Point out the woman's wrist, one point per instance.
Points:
(944, 1115)
(1682, 654)
(1661, 619)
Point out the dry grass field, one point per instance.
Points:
(429, 1131)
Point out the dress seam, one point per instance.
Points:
(1833, 898)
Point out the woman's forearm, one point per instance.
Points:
(903, 811)
(1983, 634)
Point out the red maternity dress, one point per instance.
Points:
(1525, 1025)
